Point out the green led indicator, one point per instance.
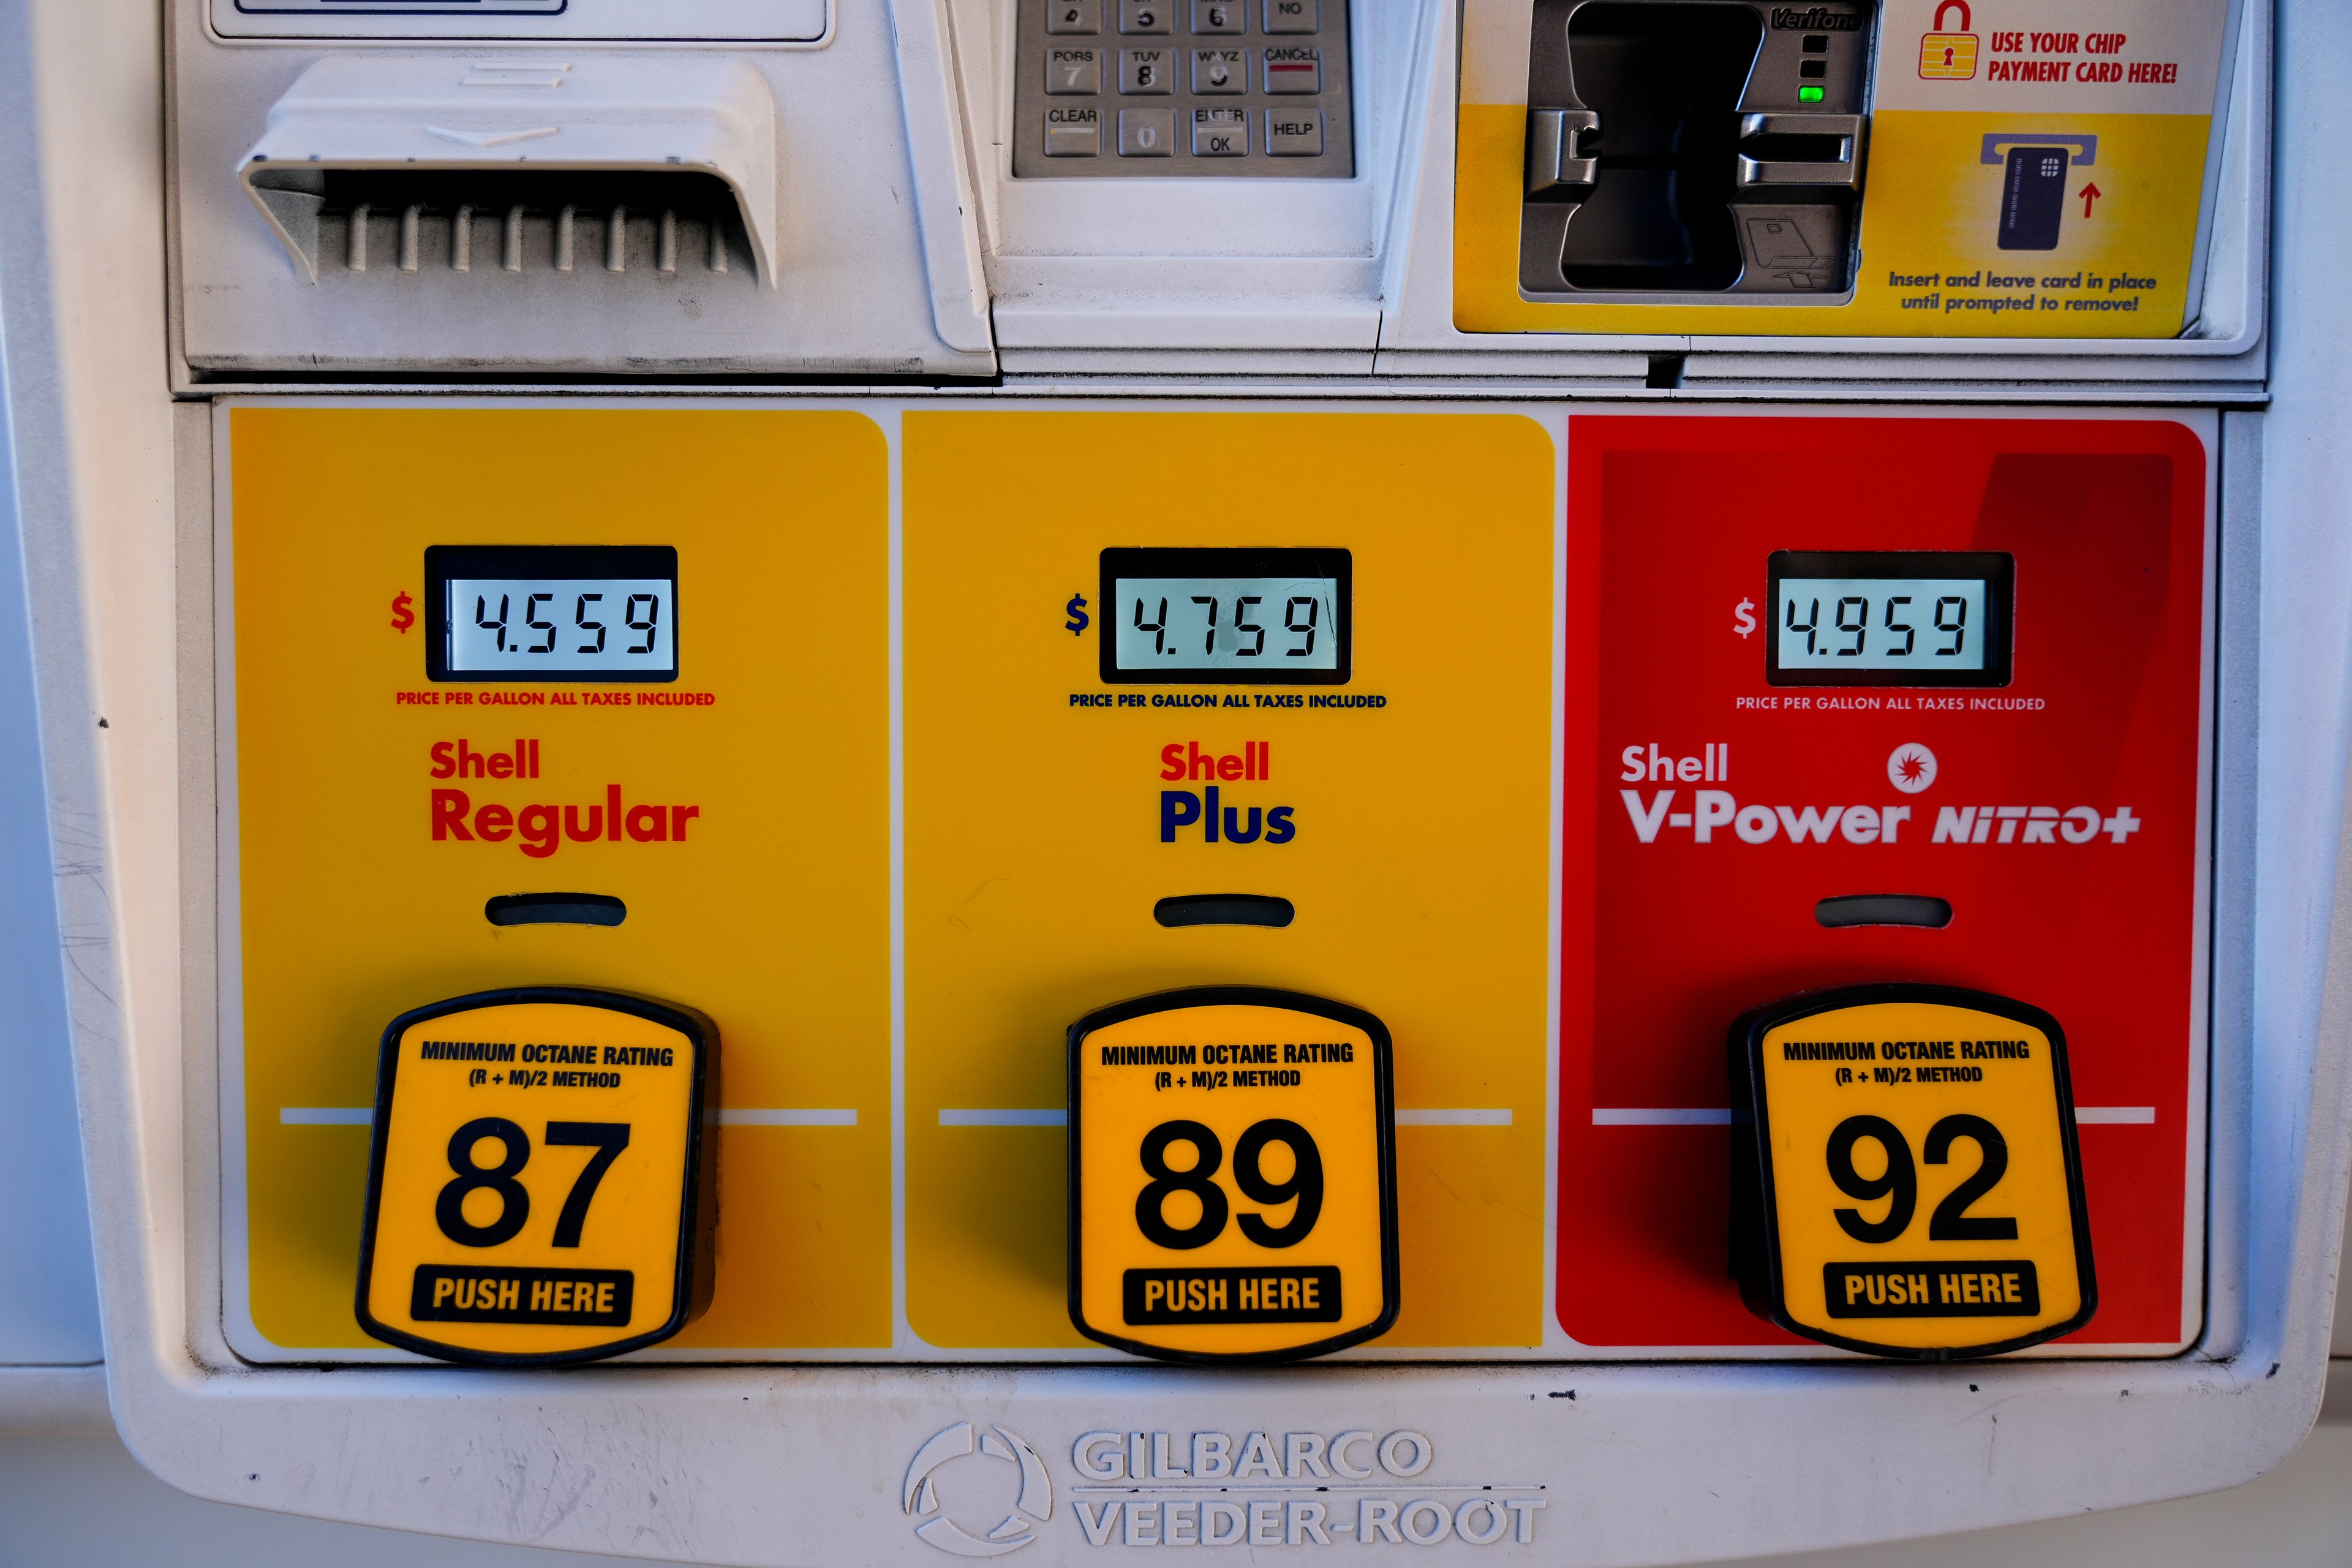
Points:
(1809, 95)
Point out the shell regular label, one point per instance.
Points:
(533, 1193)
(1233, 1183)
(1911, 1187)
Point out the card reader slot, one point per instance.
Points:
(555, 909)
(1883, 910)
(1224, 910)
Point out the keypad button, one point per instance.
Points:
(1147, 70)
(1074, 16)
(1292, 15)
(1219, 71)
(1146, 15)
(1221, 133)
(1219, 16)
(1147, 133)
(1072, 133)
(1293, 132)
(1073, 71)
(1294, 67)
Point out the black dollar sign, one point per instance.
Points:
(1079, 620)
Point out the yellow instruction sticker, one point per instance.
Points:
(2016, 171)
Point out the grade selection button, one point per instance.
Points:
(1232, 1175)
(1147, 70)
(1291, 15)
(1219, 71)
(1147, 133)
(1293, 132)
(1073, 71)
(1074, 16)
(1072, 133)
(1294, 67)
(1219, 133)
(1905, 1175)
(539, 1190)
(1219, 16)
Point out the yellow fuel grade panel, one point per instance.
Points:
(537, 1189)
(1907, 1183)
(1046, 813)
(1233, 1176)
(760, 895)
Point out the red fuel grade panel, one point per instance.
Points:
(2060, 818)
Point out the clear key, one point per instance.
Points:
(1072, 133)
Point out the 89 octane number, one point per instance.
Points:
(1305, 1184)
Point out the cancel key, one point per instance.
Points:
(1293, 132)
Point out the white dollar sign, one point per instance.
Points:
(1743, 619)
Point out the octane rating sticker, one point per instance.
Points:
(536, 1194)
(1233, 1176)
(1909, 1184)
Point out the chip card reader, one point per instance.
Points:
(1905, 1176)
(540, 1193)
(1233, 1176)
(1677, 148)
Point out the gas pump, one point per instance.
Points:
(1104, 775)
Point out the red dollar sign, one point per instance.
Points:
(403, 617)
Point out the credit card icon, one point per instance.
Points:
(2033, 198)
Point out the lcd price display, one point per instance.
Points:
(551, 613)
(1259, 616)
(1889, 618)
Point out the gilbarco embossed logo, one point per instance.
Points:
(921, 1497)
(1215, 1489)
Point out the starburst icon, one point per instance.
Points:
(1911, 768)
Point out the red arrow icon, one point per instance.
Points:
(2089, 193)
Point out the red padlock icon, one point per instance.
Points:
(1948, 56)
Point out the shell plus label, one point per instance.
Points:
(1232, 1177)
(536, 1194)
(1906, 1182)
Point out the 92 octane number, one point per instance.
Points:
(1900, 1179)
(1305, 1184)
(606, 1137)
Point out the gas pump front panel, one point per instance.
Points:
(1272, 820)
